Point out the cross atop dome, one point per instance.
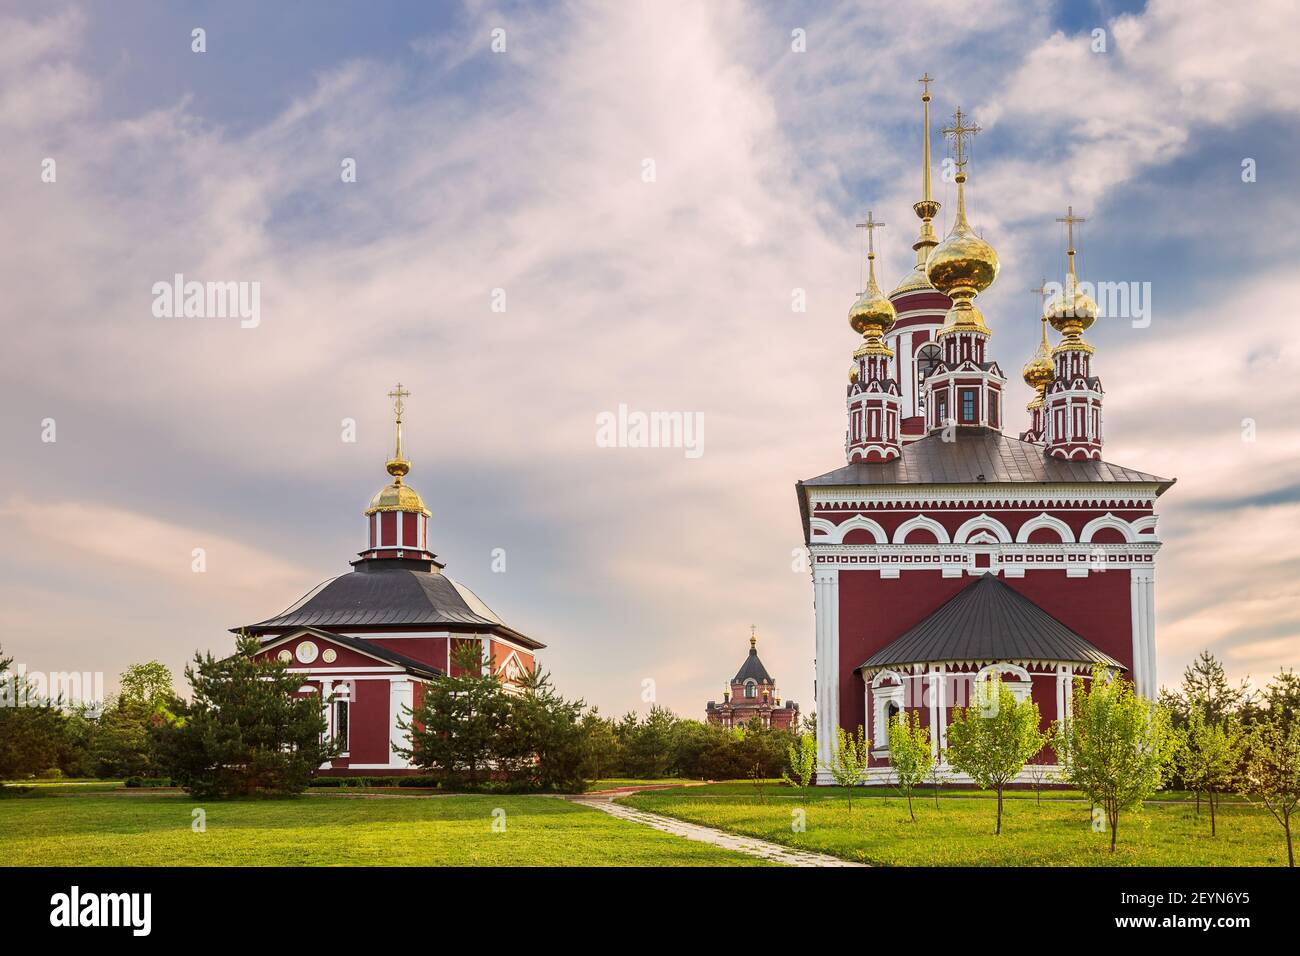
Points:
(959, 134)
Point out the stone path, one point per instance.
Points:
(750, 846)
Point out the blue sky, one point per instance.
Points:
(522, 171)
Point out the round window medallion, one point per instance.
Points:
(329, 655)
(284, 656)
(306, 652)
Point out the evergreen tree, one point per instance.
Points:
(1282, 698)
(246, 730)
(456, 730)
(33, 729)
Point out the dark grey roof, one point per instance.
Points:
(419, 668)
(988, 621)
(979, 455)
(752, 669)
(379, 594)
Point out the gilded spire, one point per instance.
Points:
(753, 641)
(963, 265)
(398, 496)
(926, 209)
(1073, 312)
(872, 315)
(397, 465)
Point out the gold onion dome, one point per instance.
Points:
(963, 265)
(853, 372)
(872, 312)
(1072, 312)
(872, 315)
(1039, 370)
(397, 497)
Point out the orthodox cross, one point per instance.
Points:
(926, 79)
(1070, 219)
(399, 393)
(958, 132)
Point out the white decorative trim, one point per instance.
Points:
(1107, 520)
(921, 521)
(982, 522)
(1044, 520)
(859, 523)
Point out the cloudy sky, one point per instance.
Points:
(524, 171)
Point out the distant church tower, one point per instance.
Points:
(752, 696)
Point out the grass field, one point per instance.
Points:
(960, 833)
(137, 828)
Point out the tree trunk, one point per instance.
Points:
(1290, 853)
(1213, 831)
(999, 829)
(909, 806)
(1114, 828)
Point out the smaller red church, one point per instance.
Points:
(368, 641)
(752, 696)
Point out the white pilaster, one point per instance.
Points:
(826, 605)
(1142, 598)
(935, 676)
(401, 693)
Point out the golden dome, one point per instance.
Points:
(1073, 312)
(915, 281)
(397, 497)
(1039, 371)
(963, 265)
(872, 312)
(853, 372)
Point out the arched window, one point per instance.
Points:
(751, 689)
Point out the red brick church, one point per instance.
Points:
(751, 696)
(945, 550)
(368, 640)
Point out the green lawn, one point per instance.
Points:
(960, 832)
(137, 828)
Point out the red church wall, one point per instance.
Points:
(426, 650)
(369, 719)
(874, 611)
(1097, 607)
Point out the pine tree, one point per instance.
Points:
(455, 730)
(246, 730)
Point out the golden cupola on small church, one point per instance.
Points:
(397, 518)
